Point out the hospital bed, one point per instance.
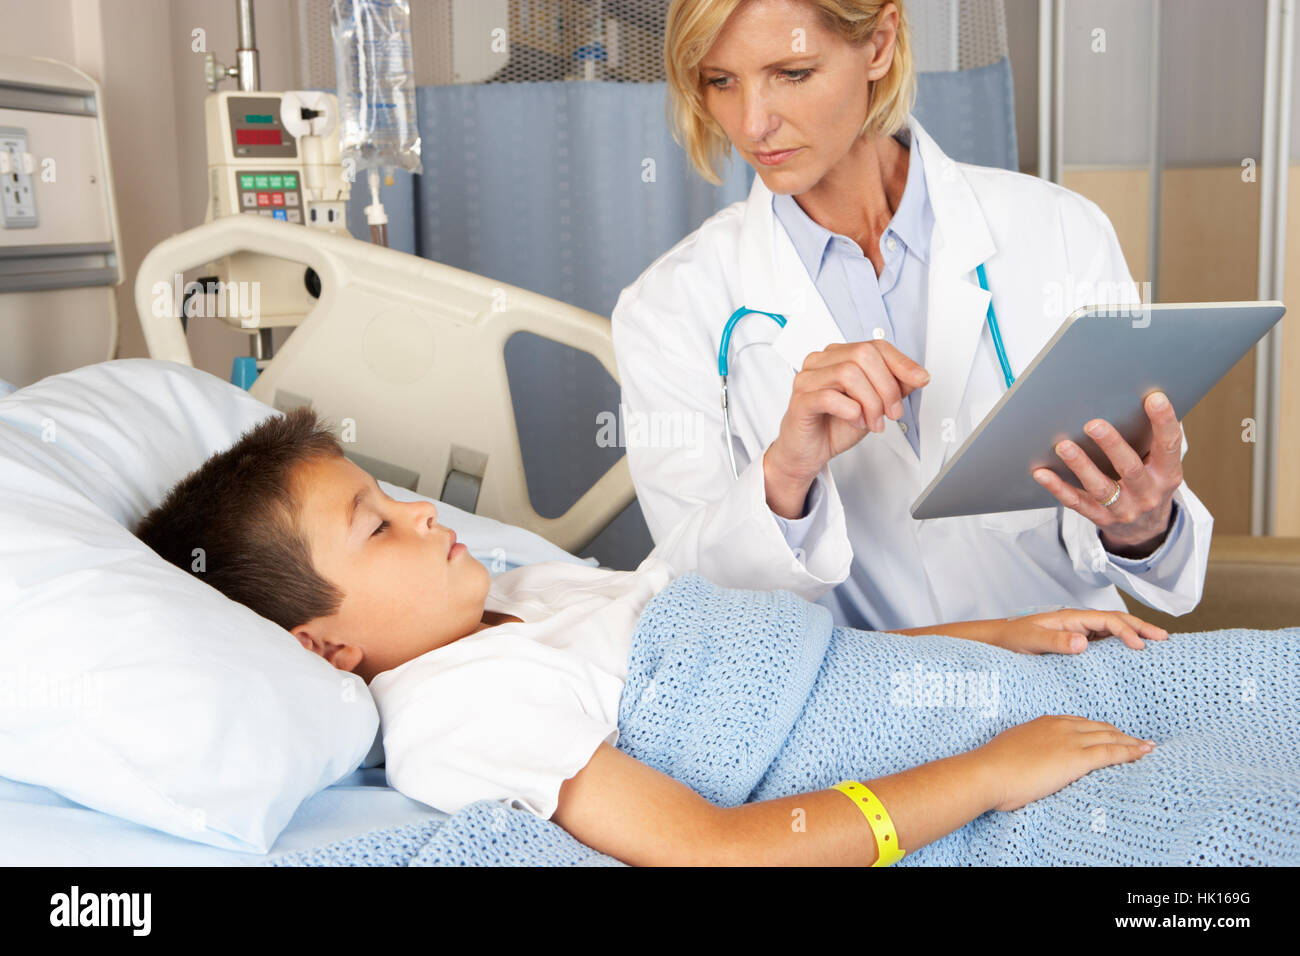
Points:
(382, 318)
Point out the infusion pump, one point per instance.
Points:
(274, 155)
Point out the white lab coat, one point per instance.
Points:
(1045, 249)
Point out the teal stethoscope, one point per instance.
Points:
(781, 320)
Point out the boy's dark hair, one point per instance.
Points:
(238, 506)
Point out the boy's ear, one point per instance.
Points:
(307, 639)
(345, 657)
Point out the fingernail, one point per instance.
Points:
(1095, 429)
(1040, 477)
(1158, 400)
(896, 410)
(1147, 747)
(1150, 743)
(1065, 450)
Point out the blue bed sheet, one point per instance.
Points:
(40, 828)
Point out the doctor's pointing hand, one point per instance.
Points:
(841, 395)
(903, 291)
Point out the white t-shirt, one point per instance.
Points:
(511, 712)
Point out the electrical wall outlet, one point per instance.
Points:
(17, 201)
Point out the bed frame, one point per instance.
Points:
(405, 357)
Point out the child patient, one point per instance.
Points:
(508, 689)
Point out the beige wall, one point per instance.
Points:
(47, 29)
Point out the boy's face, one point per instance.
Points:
(406, 589)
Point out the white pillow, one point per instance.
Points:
(129, 685)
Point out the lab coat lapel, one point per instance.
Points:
(771, 272)
(957, 307)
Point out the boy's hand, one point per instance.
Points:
(1034, 759)
(1069, 631)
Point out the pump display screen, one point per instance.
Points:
(257, 137)
(255, 128)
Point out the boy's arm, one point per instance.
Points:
(1065, 631)
(632, 812)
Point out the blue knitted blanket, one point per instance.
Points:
(750, 695)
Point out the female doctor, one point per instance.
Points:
(843, 300)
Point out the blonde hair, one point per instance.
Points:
(693, 26)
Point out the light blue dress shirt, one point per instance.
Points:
(892, 306)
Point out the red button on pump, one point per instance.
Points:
(264, 199)
(277, 199)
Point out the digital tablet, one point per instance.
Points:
(1101, 363)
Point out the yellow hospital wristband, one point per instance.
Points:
(887, 849)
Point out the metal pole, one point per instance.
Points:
(1272, 251)
(1046, 70)
(1058, 91)
(1286, 86)
(250, 78)
(1156, 151)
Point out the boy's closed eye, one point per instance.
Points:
(382, 526)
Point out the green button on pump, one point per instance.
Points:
(277, 182)
(290, 180)
(262, 182)
(245, 181)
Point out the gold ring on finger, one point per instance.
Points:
(1113, 498)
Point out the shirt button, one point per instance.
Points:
(891, 244)
(903, 426)
(877, 333)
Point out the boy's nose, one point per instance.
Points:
(428, 515)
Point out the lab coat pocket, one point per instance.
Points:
(1014, 522)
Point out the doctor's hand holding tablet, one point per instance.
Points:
(1134, 513)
